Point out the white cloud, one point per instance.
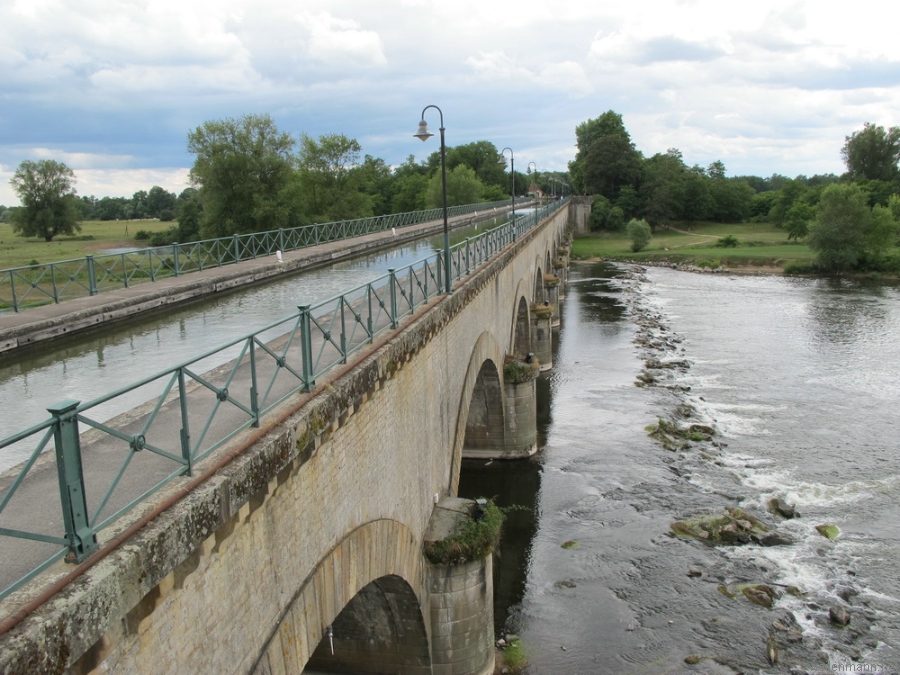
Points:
(766, 85)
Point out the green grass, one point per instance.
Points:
(95, 237)
(761, 245)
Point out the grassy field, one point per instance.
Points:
(760, 245)
(96, 237)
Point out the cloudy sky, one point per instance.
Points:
(112, 87)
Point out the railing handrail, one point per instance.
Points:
(315, 339)
(117, 270)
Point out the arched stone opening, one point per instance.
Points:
(485, 420)
(538, 291)
(379, 564)
(521, 343)
(381, 630)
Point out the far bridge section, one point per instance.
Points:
(310, 473)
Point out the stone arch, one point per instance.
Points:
(538, 289)
(548, 264)
(383, 560)
(520, 333)
(486, 349)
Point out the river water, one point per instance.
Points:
(798, 379)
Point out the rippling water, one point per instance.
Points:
(799, 379)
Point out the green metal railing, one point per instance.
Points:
(34, 285)
(106, 464)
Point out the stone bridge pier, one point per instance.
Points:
(300, 545)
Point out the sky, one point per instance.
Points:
(113, 87)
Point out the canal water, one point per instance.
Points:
(89, 366)
(798, 380)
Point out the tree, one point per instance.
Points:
(463, 187)
(330, 180)
(639, 232)
(846, 233)
(483, 158)
(872, 152)
(46, 190)
(158, 200)
(610, 163)
(244, 169)
(606, 159)
(410, 183)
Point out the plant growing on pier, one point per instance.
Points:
(516, 371)
(473, 541)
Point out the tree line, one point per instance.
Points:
(851, 221)
(248, 176)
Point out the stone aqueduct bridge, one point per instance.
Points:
(312, 534)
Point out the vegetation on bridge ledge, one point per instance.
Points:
(477, 537)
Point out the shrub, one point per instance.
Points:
(517, 372)
(472, 542)
(142, 235)
(728, 241)
(639, 232)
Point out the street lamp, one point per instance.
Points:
(512, 171)
(528, 171)
(423, 134)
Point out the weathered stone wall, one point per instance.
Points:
(244, 573)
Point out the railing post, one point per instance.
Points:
(393, 285)
(53, 283)
(82, 539)
(175, 250)
(468, 258)
(92, 275)
(124, 271)
(343, 331)
(237, 248)
(306, 348)
(280, 238)
(12, 291)
(254, 384)
(185, 434)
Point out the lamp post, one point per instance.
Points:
(528, 171)
(512, 171)
(423, 134)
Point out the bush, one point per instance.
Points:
(472, 542)
(518, 372)
(728, 241)
(639, 232)
(142, 235)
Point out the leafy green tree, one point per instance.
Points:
(463, 187)
(791, 192)
(47, 193)
(244, 169)
(606, 159)
(599, 212)
(190, 215)
(732, 199)
(483, 158)
(616, 219)
(662, 187)
(872, 152)
(696, 200)
(331, 181)
(797, 220)
(628, 200)
(639, 232)
(845, 233)
(158, 200)
(610, 163)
